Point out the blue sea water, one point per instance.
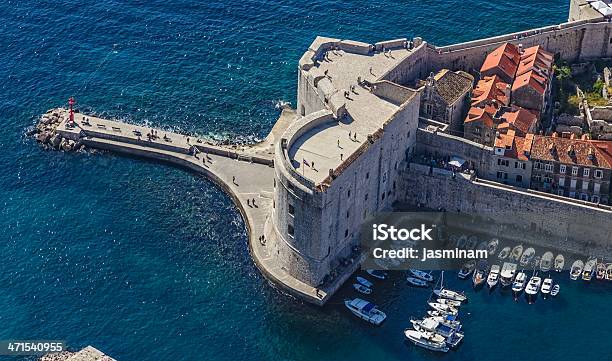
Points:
(148, 262)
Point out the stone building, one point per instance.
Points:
(511, 164)
(575, 168)
(532, 83)
(491, 90)
(502, 62)
(599, 121)
(480, 124)
(445, 97)
(520, 120)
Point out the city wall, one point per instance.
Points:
(548, 220)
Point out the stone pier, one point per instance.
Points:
(244, 172)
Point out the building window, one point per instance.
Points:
(504, 162)
(584, 196)
(595, 199)
(477, 130)
(560, 192)
(428, 109)
(586, 172)
(598, 173)
(519, 178)
(345, 233)
(290, 230)
(348, 193)
(585, 185)
(291, 210)
(383, 196)
(596, 187)
(366, 197)
(574, 170)
(523, 166)
(348, 214)
(562, 169)
(547, 179)
(548, 167)
(368, 175)
(561, 181)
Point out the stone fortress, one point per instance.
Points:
(365, 118)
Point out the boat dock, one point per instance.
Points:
(244, 172)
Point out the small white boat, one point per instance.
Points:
(559, 262)
(546, 286)
(576, 269)
(365, 310)
(601, 271)
(445, 309)
(555, 290)
(519, 282)
(507, 273)
(609, 272)
(421, 275)
(527, 256)
(533, 287)
(417, 282)
(428, 340)
(381, 275)
(504, 253)
(546, 261)
(447, 320)
(466, 269)
(516, 253)
(461, 242)
(493, 276)
(589, 269)
(362, 289)
(492, 246)
(364, 282)
(446, 301)
(444, 293)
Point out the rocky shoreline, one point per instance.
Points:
(59, 356)
(46, 133)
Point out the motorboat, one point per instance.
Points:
(421, 275)
(381, 275)
(436, 313)
(555, 290)
(493, 276)
(527, 257)
(472, 242)
(451, 336)
(601, 271)
(533, 286)
(516, 253)
(589, 269)
(559, 262)
(504, 253)
(445, 309)
(365, 310)
(447, 320)
(546, 261)
(446, 301)
(519, 282)
(492, 246)
(417, 282)
(546, 286)
(364, 282)
(576, 269)
(362, 289)
(466, 269)
(461, 242)
(428, 340)
(609, 272)
(480, 274)
(507, 273)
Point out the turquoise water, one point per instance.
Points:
(148, 262)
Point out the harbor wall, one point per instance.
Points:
(548, 220)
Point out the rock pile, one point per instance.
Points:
(59, 356)
(46, 131)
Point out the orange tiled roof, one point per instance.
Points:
(521, 119)
(534, 69)
(490, 88)
(582, 152)
(481, 114)
(514, 145)
(506, 58)
(532, 79)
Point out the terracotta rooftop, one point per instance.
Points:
(582, 152)
(452, 85)
(522, 120)
(506, 58)
(535, 68)
(481, 114)
(515, 146)
(532, 79)
(490, 88)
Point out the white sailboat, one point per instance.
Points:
(421, 275)
(445, 309)
(444, 293)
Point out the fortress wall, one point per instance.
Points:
(446, 145)
(414, 66)
(575, 41)
(541, 218)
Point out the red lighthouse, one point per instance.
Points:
(71, 103)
